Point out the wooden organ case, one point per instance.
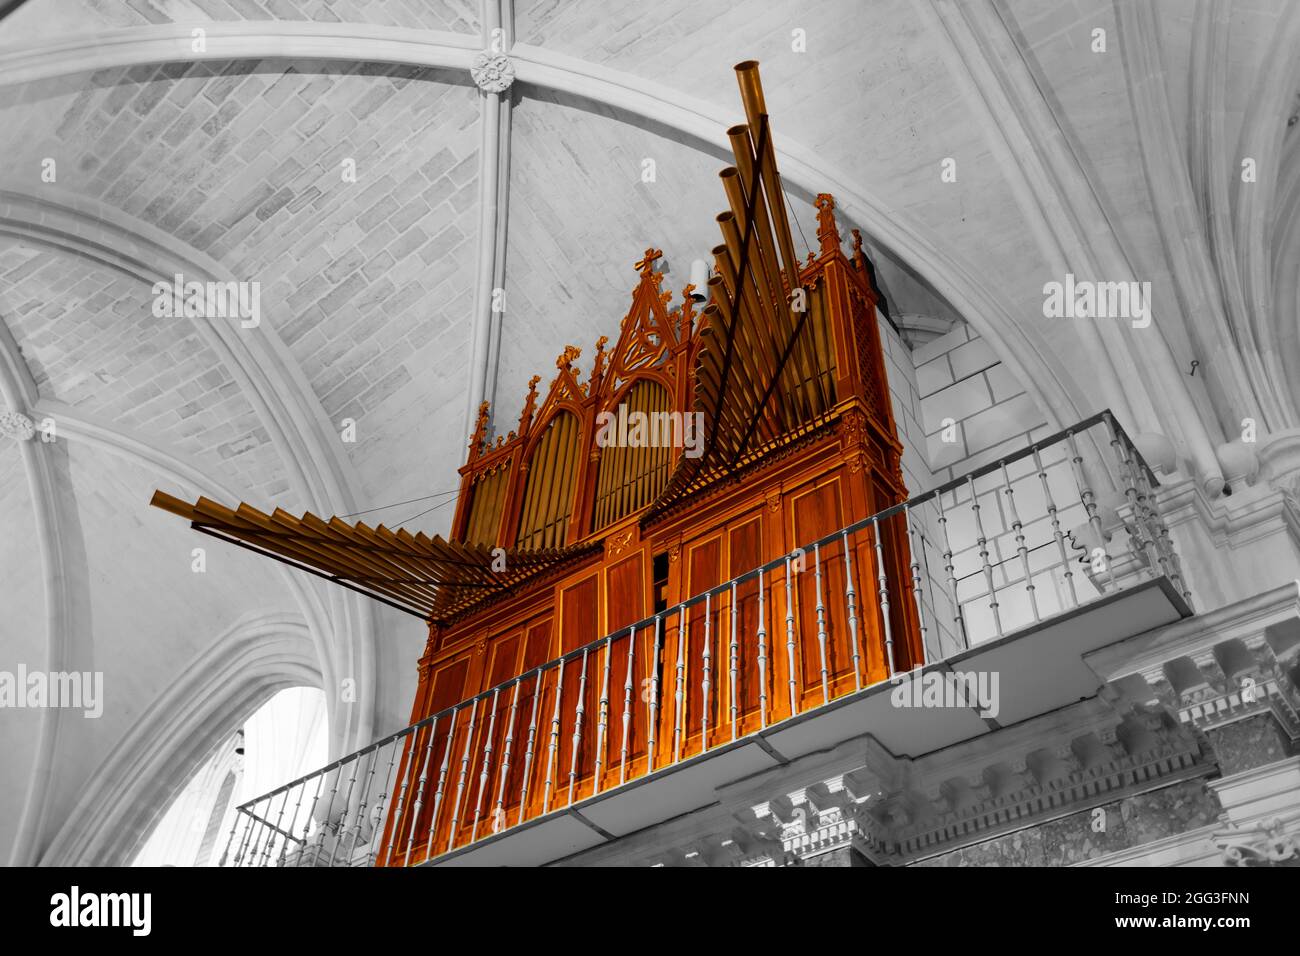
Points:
(606, 507)
(799, 441)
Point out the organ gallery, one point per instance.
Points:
(644, 518)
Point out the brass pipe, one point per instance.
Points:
(560, 490)
(543, 478)
(624, 478)
(762, 338)
(751, 94)
(805, 360)
(640, 402)
(544, 465)
(740, 189)
(766, 334)
(722, 305)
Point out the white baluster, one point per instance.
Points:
(916, 580)
(851, 597)
(654, 700)
(882, 587)
(789, 639)
(679, 700)
(603, 722)
(762, 656)
(576, 743)
(984, 555)
(554, 745)
(705, 685)
(734, 663)
(486, 764)
(627, 706)
(821, 623)
(442, 785)
(528, 750)
(463, 776)
(499, 815)
(1019, 530)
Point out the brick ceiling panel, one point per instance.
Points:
(51, 19)
(91, 340)
(348, 192)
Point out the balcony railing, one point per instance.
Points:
(1012, 546)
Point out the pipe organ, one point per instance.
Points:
(702, 444)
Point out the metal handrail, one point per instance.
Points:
(1103, 417)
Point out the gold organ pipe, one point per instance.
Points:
(637, 400)
(663, 408)
(481, 505)
(761, 336)
(618, 472)
(556, 510)
(756, 339)
(721, 304)
(555, 481)
(498, 502)
(825, 341)
(539, 479)
(546, 480)
(536, 467)
(803, 366)
(751, 94)
(740, 188)
(568, 489)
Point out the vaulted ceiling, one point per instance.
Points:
(219, 138)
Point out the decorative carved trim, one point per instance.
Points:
(492, 72)
(17, 426)
(896, 810)
(1270, 842)
(616, 544)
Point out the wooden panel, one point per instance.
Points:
(447, 687)
(575, 751)
(744, 552)
(627, 586)
(491, 730)
(528, 717)
(816, 512)
(703, 571)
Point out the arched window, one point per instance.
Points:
(281, 740)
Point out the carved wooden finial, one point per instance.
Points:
(480, 430)
(598, 369)
(646, 264)
(688, 311)
(859, 259)
(566, 358)
(527, 417)
(827, 231)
